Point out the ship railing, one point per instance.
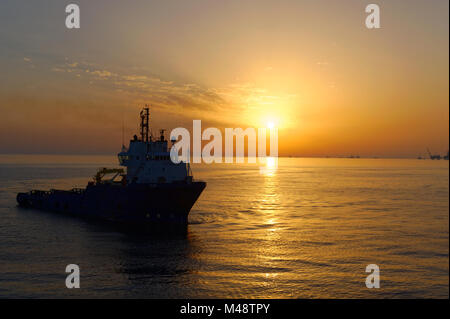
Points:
(77, 190)
(41, 193)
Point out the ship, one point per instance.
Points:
(151, 189)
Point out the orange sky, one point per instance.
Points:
(332, 86)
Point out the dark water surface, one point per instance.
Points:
(306, 229)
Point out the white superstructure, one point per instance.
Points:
(149, 161)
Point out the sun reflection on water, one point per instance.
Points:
(269, 167)
(269, 252)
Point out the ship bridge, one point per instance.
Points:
(148, 161)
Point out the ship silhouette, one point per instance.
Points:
(152, 190)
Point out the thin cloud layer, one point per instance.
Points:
(172, 97)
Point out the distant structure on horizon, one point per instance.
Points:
(437, 156)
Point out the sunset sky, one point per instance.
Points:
(331, 86)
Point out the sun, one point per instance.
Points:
(270, 124)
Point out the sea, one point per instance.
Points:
(287, 228)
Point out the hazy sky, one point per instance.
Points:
(331, 85)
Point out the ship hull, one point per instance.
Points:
(134, 204)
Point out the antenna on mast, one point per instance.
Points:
(123, 131)
(124, 148)
(144, 123)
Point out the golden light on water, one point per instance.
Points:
(271, 162)
(269, 166)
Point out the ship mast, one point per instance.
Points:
(144, 124)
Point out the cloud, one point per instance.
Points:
(135, 77)
(103, 73)
(173, 97)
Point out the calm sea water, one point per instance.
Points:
(306, 229)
